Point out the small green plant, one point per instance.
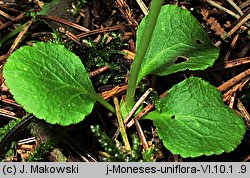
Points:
(8, 128)
(39, 152)
(117, 152)
(51, 82)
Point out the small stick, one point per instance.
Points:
(243, 111)
(38, 34)
(10, 9)
(7, 15)
(15, 131)
(26, 141)
(140, 114)
(2, 115)
(141, 135)
(98, 71)
(70, 35)
(231, 103)
(121, 125)
(11, 102)
(235, 6)
(244, 4)
(6, 112)
(116, 90)
(3, 57)
(137, 105)
(234, 89)
(133, 110)
(143, 7)
(231, 48)
(129, 54)
(126, 12)
(231, 63)
(19, 17)
(144, 111)
(19, 37)
(223, 9)
(102, 30)
(235, 28)
(233, 80)
(246, 159)
(65, 22)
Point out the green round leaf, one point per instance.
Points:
(50, 82)
(178, 43)
(192, 120)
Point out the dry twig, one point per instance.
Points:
(234, 80)
(70, 35)
(116, 90)
(137, 105)
(63, 21)
(243, 111)
(98, 71)
(213, 23)
(142, 6)
(7, 15)
(102, 30)
(19, 17)
(223, 8)
(232, 99)
(234, 89)
(134, 109)
(231, 63)
(144, 111)
(19, 38)
(122, 128)
(141, 135)
(235, 28)
(231, 48)
(140, 114)
(126, 12)
(235, 6)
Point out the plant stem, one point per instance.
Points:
(104, 103)
(121, 125)
(143, 46)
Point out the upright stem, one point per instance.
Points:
(121, 125)
(104, 103)
(142, 49)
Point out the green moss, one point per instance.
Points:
(116, 152)
(100, 54)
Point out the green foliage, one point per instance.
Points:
(10, 153)
(55, 84)
(192, 120)
(116, 152)
(7, 128)
(102, 54)
(48, 141)
(112, 150)
(40, 151)
(148, 155)
(177, 37)
(78, 6)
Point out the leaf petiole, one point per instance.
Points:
(103, 102)
(143, 46)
